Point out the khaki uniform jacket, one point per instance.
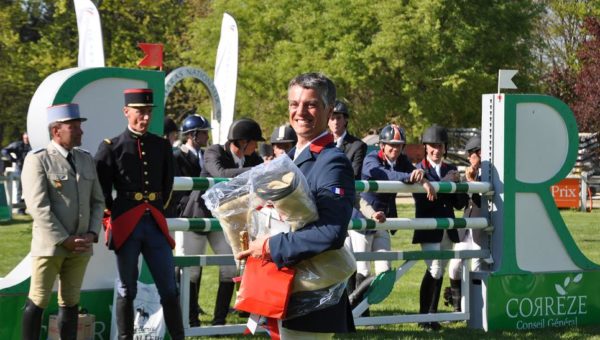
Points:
(61, 202)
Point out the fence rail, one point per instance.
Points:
(410, 258)
(225, 260)
(203, 183)
(212, 224)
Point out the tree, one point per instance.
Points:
(18, 24)
(413, 62)
(39, 37)
(560, 83)
(587, 88)
(568, 56)
(562, 33)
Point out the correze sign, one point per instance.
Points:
(540, 278)
(545, 300)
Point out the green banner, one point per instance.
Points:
(5, 210)
(548, 300)
(98, 302)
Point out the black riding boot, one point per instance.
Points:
(32, 321)
(428, 299)
(173, 318)
(435, 299)
(197, 283)
(124, 311)
(200, 310)
(194, 309)
(455, 289)
(425, 293)
(224, 294)
(435, 294)
(67, 322)
(351, 285)
(362, 286)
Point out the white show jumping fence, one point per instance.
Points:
(410, 257)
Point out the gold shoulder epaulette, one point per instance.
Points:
(108, 141)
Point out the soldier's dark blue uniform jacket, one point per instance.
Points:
(443, 206)
(376, 167)
(132, 164)
(331, 181)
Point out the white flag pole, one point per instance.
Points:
(91, 51)
(226, 78)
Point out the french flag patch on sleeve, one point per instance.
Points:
(338, 191)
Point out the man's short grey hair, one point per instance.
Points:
(318, 82)
(51, 126)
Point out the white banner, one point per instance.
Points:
(226, 78)
(91, 51)
(148, 322)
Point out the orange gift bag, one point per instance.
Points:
(265, 290)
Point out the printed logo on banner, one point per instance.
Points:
(148, 321)
(540, 301)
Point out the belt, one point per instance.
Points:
(138, 196)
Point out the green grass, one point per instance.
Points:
(16, 239)
(585, 228)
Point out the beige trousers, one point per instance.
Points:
(69, 269)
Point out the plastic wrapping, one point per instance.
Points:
(272, 198)
(302, 303)
(278, 184)
(283, 186)
(228, 202)
(324, 270)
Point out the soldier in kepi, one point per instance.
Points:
(65, 200)
(139, 166)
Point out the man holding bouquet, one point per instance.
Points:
(311, 99)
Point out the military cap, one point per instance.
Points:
(138, 97)
(63, 113)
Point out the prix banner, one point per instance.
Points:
(567, 192)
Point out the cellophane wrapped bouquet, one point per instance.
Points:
(273, 198)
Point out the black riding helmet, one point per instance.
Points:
(341, 107)
(473, 144)
(436, 134)
(283, 134)
(246, 129)
(169, 126)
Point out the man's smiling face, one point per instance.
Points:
(308, 113)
